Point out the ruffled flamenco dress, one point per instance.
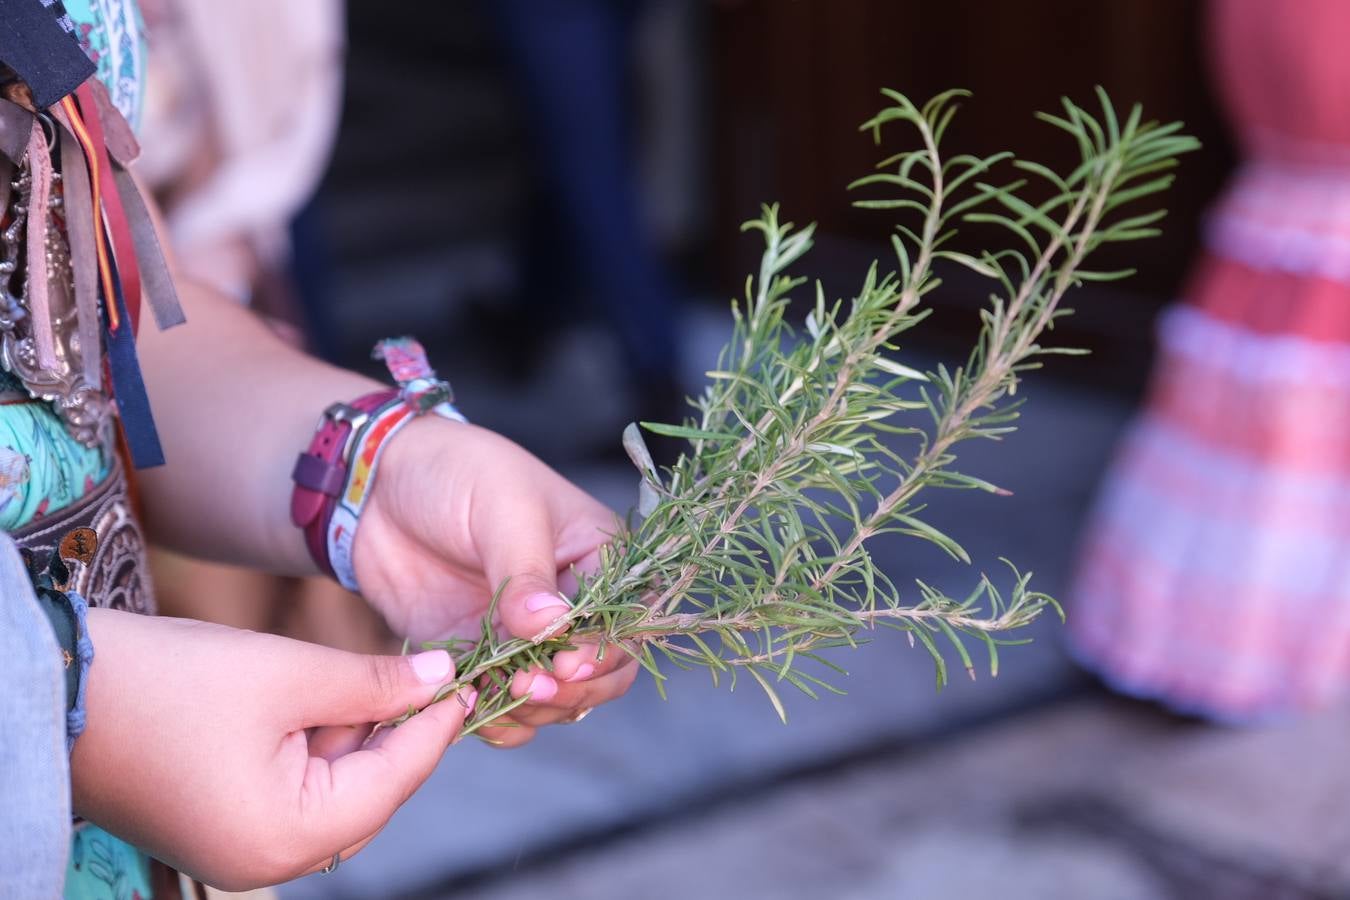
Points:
(1215, 575)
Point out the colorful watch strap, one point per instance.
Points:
(320, 472)
(333, 477)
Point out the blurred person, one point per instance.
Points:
(232, 156)
(586, 232)
(239, 758)
(232, 160)
(1215, 576)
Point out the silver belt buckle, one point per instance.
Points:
(353, 418)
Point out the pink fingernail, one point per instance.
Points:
(584, 671)
(540, 602)
(431, 667)
(543, 688)
(469, 699)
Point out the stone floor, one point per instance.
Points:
(1089, 799)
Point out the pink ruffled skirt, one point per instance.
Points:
(1215, 575)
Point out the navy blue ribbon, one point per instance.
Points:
(133, 403)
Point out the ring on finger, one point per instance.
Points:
(577, 716)
(333, 864)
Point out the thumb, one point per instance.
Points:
(361, 790)
(354, 689)
(523, 559)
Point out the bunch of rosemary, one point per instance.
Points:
(750, 555)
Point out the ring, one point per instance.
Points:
(332, 866)
(577, 716)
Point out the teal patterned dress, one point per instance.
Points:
(43, 469)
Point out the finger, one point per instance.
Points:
(536, 682)
(588, 660)
(333, 741)
(519, 550)
(507, 736)
(557, 694)
(569, 666)
(571, 699)
(355, 795)
(353, 689)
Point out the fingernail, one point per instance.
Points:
(584, 671)
(431, 667)
(540, 602)
(543, 688)
(469, 699)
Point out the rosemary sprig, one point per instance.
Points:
(751, 553)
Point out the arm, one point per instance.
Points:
(234, 405)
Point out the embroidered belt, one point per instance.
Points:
(116, 576)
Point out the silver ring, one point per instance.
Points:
(577, 716)
(332, 866)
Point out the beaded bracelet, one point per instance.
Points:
(68, 613)
(334, 476)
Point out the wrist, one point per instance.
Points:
(335, 476)
(89, 764)
(415, 460)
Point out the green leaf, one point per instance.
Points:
(1117, 275)
(693, 434)
(772, 694)
(898, 369)
(923, 529)
(978, 266)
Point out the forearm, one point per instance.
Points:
(234, 405)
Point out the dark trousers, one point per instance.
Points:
(572, 61)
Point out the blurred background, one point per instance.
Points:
(548, 194)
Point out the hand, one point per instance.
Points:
(241, 758)
(455, 512)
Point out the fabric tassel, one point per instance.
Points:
(133, 403)
(79, 215)
(68, 115)
(157, 288)
(39, 307)
(117, 131)
(139, 234)
(113, 215)
(156, 283)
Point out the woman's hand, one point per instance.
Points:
(457, 511)
(242, 759)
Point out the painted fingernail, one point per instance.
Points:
(543, 688)
(584, 671)
(431, 667)
(468, 699)
(540, 602)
